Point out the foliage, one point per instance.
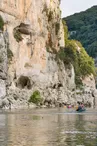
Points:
(1, 23)
(48, 12)
(65, 31)
(84, 24)
(9, 54)
(67, 54)
(57, 27)
(75, 54)
(35, 97)
(47, 49)
(45, 9)
(17, 35)
(50, 16)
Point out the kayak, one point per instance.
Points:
(81, 110)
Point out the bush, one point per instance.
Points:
(75, 54)
(66, 34)
(1, 23)
(67, 54)
(83, 64)
(50, 16)
(57, 27)
(9, 54)
(17, 35)
(35, 97)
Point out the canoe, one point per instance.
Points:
(81, 110)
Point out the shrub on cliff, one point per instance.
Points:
(17, 35)
(9, 54)
(1, 23)
(35, 97)
(75, 54)
(66, 34)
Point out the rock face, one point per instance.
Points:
(32, 32)
(3, 65)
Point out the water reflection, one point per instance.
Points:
(3, 130)
(47, 128)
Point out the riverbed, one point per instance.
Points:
(48, 127)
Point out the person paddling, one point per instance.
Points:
(80, 107)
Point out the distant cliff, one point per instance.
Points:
(31, 66)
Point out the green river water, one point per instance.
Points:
(48, 127)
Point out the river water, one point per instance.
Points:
(48, 127)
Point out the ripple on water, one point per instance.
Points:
(48, 127)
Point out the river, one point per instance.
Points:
(48, 127)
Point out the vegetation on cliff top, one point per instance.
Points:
(83, 27)
(75, 54)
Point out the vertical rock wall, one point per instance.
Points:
(32, 35)
(3, 65)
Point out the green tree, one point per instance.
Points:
(85, 25)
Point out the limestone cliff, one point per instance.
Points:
(31, 33)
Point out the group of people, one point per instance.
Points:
(79, 106)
